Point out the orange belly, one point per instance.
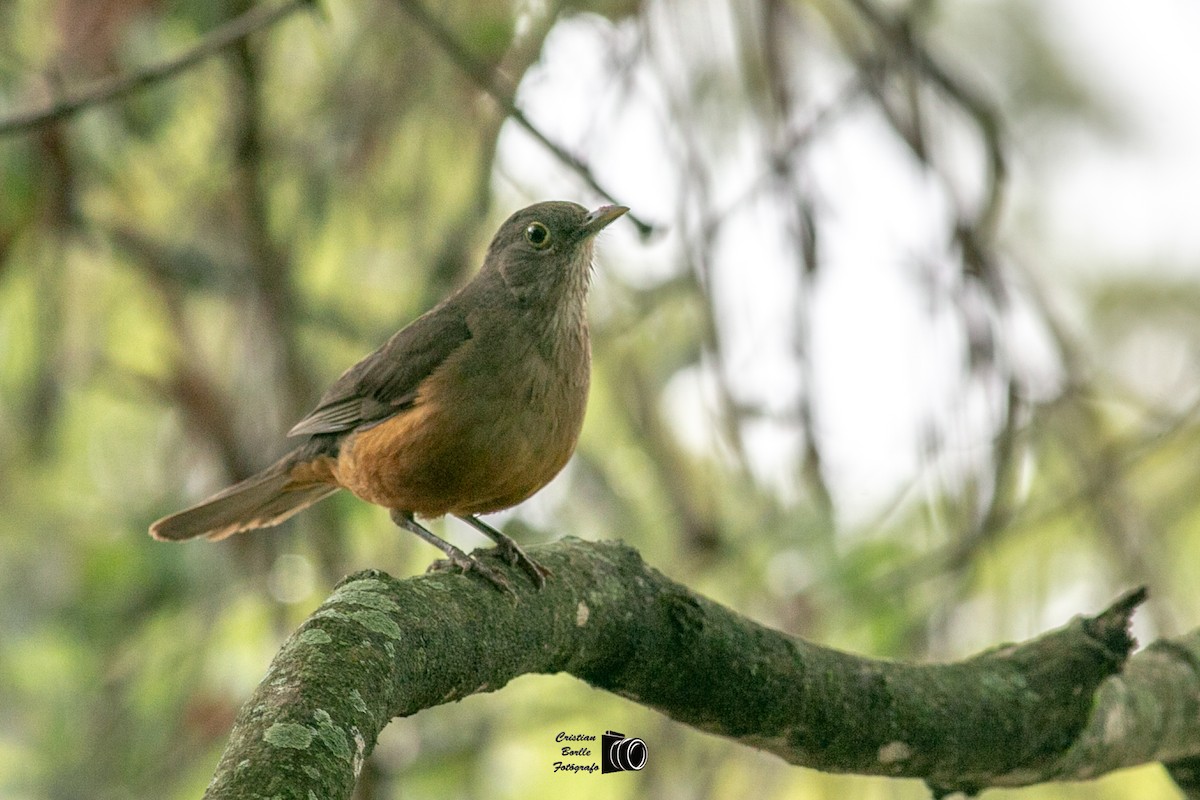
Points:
(429, 461)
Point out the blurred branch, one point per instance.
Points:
(1101, 459)
(798, 137)
(271, 265)
(1117, 512)
(103, 91)
(1070, 704)
(503, 93)
(1124, 454)
(191, 269)
(58, 209)
(180, 266)
(454, 259)
(901, 71)
(778, 20)
(273, 272)
(995, 517)
(206, 409)
(1186, 774)
(698, 234)
(691, 506)
(898, 34)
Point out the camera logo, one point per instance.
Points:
(618, 754)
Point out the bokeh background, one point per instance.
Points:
(908, 366)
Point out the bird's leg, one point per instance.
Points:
(511, 551)
(457, 557)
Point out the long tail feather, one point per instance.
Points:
(260, 501)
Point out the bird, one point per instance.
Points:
(469, 409)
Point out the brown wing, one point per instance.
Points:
(385, 382)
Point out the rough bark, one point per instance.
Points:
(1068, 705)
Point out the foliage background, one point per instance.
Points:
(912, 434)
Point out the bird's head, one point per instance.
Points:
(545, 250)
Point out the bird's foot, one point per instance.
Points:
(455, 558)
(510, 551)
(464, 563)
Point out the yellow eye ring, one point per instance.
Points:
(538, 235)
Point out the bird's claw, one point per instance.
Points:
(511, 552)
(468, 563)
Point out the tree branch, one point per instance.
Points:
(108, 89)
(1063, 706)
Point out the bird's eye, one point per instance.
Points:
(537, 235)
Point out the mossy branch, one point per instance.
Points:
(1070, 704)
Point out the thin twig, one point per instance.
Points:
(108, 89)
(502, 92)
(974, 104)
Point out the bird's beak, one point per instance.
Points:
(599, 219)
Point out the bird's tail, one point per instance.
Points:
(260, 501)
